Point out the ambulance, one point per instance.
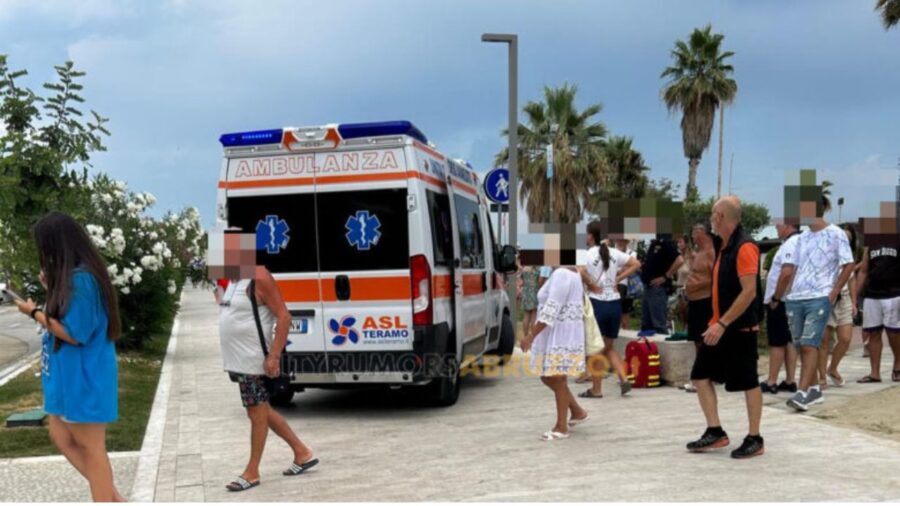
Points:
(382, 247)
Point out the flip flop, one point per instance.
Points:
(868, 379)
(574, 422)
(550, 435)
(895, 375)
(296, 468)
(581, 380)
(240, 485)
(838, 382)
(589, 394)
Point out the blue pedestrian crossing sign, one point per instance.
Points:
(496, 185)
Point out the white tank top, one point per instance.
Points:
(238, 336)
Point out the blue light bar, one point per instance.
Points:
(355, 130)
(251, 138)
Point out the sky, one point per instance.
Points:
(817, 80)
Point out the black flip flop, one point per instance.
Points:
(296, 468)
(589, 394)
(240, 485)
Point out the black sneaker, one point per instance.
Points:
(751, 447)
(708, 441)
(767, 388)
(784, 386)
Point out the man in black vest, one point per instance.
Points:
(728, 354)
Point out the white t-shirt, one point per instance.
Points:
(785, 254)
(605, 279)
(818, 259)
(238, 335)
(631, 253)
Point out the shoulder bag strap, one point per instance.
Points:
(251, 292)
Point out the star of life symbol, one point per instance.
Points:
(363, 230)
(272, 234)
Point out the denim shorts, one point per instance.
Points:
(807, 319)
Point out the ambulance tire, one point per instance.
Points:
(444, 390)
(507, 340)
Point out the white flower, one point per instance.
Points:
(89, 184)
(120, 185)
(138, 270)
(154, 236)
(136, 279)
(126, 290)
(127, 272)
(158, 248)
(176, 263)
(151, 263)
(116, 232)
(95, 229)
(119, 280)
(149, 198)
(181, 235)
(112, 270)
(167, 253)
(106, 198)
(172, 287)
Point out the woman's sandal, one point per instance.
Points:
(550, 435)
(574, 422)
(583, 379)
(835, 379)
(868, 379)
(240, 484)
(589, 394)
(296, 468)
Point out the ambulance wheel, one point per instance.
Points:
(282, 399)
(507, 339)
(444, 390)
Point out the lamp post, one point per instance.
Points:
(512, 40)
(840, 206)
(553, 129)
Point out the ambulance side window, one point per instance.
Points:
(285, 234)
(441, 228)
(471, 238)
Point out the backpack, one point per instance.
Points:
(642, 363)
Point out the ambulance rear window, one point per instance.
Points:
(284, 227)
(441, 228)
(363, 230)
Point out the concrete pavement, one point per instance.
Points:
(19, 341)
(379, 445)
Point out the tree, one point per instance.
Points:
(626, 175)
(579, 165)
(753, 216)
(699, 82)
(890, 12)
(40, 155)
(826, 194)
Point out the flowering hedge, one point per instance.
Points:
(148, 259)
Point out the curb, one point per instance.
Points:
(18, 367)
(143, 487)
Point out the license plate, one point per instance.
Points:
(299, 326)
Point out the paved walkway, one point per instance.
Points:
(380, 445)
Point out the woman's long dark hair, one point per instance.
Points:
(63, 245)
(595, 229)
(854, 241)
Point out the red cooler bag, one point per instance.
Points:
(642, 363)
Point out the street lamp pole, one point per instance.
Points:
(513, 137)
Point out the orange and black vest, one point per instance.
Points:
(729, 284)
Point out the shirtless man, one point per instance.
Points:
(698, 288)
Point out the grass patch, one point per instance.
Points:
(138, 377)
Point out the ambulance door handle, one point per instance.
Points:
(484, 282)
(342, 287)
(456, 263)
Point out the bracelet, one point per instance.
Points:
(34, 312)
(724, 327)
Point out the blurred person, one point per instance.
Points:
(605, 268)
(627, 302)
(657, 272)
(79, 372)
(557, 346)
(781, 348)
(244, 359)
(698, 286)
(840, 321)
(529, 278)
(728, 354)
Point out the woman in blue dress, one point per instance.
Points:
(79, 370)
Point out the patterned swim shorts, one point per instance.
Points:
(253, 388)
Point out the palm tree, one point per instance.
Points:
(826, 194)
(890, 12)
(626, 176)
(579, 166)
(699, 82)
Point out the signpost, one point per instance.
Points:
(497, 188)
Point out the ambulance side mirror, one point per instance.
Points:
(506, 260)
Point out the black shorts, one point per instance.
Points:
(698, 317)
(777, 327)
(627, 302)
(733, 361)
(253, 388)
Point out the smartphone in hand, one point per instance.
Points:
(9, 295)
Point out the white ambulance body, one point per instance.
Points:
(383, 250)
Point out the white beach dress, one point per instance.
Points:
(559, 348)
